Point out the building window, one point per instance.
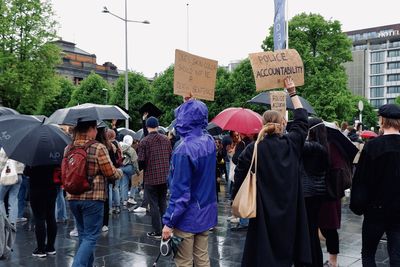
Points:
(377, 103)
(393, 65)
(377, 68)
(377, 92)
(393, 77)
(394, 44)
(377, 80)
(391, 100)
(393, 90)
(394, 53)
(377, 56)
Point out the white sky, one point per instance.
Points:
(223, 30)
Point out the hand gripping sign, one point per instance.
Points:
(271, 68)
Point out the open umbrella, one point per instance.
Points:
(368, 134)
(30, 141)
(138, 135)
(87, 112)
(241, 120)
(171, 126)
(151, 109)
(264, 99)
(7, 111)
(125, 131)
(213, 129)
(344, 143)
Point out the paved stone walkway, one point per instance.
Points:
(126, 243)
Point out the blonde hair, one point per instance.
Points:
(273, 122)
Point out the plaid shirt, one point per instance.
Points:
(99, 167)
(155, 150)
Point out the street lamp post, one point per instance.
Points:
(106, 90)
(105, 10)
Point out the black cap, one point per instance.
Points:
(390, 111)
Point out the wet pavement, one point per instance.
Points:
(126, 244)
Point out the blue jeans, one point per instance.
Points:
(61, 209)
(12, 199)
(89, 220)
(114, 197)
(23, 190)
(244, 222)
(127, 173)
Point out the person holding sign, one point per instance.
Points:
(278, 236)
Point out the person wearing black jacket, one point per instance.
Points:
(43, 194)
(376, 189)
(315, 157)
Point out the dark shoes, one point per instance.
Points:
(239, 227)
(154, 235)
(39, 254)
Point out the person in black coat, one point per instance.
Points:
(278, 236)
(315, 159)
(376, 189)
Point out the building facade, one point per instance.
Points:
(375, 70)
(78, 64)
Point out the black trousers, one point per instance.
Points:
(332, 240)
(43, 208)
(374, 225)
(156, 195)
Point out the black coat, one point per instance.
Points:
(376, 182)
(278, 236)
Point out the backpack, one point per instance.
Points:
(74, 169)
(119, 159)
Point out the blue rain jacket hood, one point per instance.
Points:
(193, 204)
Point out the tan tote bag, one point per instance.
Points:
(245, 202)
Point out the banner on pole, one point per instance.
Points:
(279, 25)
(194, 75)
(271, 68)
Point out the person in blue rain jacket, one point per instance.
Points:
(192, 209)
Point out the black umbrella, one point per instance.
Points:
(344, 143)
(213, 129)
(87, 112)
(7, 111)
(138, 135)
(264, 99)
(30, 141)
(171, 126)
(125, 131)
(151, 109)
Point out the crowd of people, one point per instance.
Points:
(301, 178)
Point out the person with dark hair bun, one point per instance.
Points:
(278, 236)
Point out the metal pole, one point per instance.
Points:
(187, 22)
(126, 64)
(287, 24)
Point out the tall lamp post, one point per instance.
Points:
(105, 90)
(126, 20)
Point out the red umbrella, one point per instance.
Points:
(368, 134)
(241, 120)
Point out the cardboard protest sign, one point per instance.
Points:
(278, 102)
(194, 75)
(271, 68)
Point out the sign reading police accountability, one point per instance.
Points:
(271, 68)
(194, 75)
(278, 101)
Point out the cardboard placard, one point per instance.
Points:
(278, 101)
(271, 68)
(194, 75)
(137, 180)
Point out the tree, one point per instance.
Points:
(323, 48)
(27, 59)
(163, 95)
(61, 100)
(139, 94)
(90, 91)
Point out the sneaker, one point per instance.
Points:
(235, 220)
(139, 210)
(329, 264)
(74, 232)
(50, 251)
(22, 219)
(39, 254)
(125, 203)
(117, 210)
(230, 218)
(132, 201)
(104, 228)
(154, 235)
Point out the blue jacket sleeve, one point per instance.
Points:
(179, 184)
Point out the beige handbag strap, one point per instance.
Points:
(254, 158)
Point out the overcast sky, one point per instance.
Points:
(224, 30)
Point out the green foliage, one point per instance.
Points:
(163, 95)
(397, 100)
(323, 48)
(27, 60)
(61, 100)
(139, 94)
(90, 91)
